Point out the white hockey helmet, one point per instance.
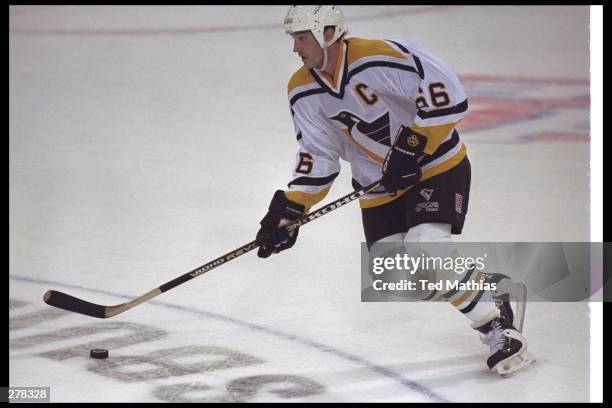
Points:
(315, 19)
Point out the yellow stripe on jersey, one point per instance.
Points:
(306, 199)
(375, 202)
(435, 135)
(429, 173)
(367, 152)
(360, 48)
(300, 78)
(445, 165)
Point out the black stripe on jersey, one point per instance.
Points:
(419, 67)
(417, 61)
(312, 181)
(461, 107)
(299, 136)
(300, 95)
(442, 149)
(467, 276)
(473, 303)
(371, 64)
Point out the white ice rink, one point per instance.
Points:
(146, 141)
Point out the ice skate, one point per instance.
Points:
(507, 293)
(508, 347)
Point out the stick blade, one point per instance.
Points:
(73, 304)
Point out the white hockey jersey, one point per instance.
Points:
(379, 85)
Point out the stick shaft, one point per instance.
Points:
(73, 304)
(253, 244)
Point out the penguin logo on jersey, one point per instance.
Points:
(426, 193)
(377, 130)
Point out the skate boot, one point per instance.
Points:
(509, 292)
(508, 347)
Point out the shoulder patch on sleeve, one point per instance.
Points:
(360, 48)
(300, 78)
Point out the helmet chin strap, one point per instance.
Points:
(325, 46)
(324, 58)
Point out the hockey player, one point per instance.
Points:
(390, 108)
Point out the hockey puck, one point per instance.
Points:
(98, 353)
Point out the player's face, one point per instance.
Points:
(306, 46)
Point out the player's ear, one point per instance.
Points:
(328, 33)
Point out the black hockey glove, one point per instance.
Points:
(272, 237)
(401, 168)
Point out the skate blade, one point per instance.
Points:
(517, 293)
(512, 365)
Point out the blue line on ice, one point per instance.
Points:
(385, 372)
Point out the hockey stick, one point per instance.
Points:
(73, 304)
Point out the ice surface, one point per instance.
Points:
(145, 141)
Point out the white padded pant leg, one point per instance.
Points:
(431, 240)
(389, 247)
(384, 244)
(431, 232)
